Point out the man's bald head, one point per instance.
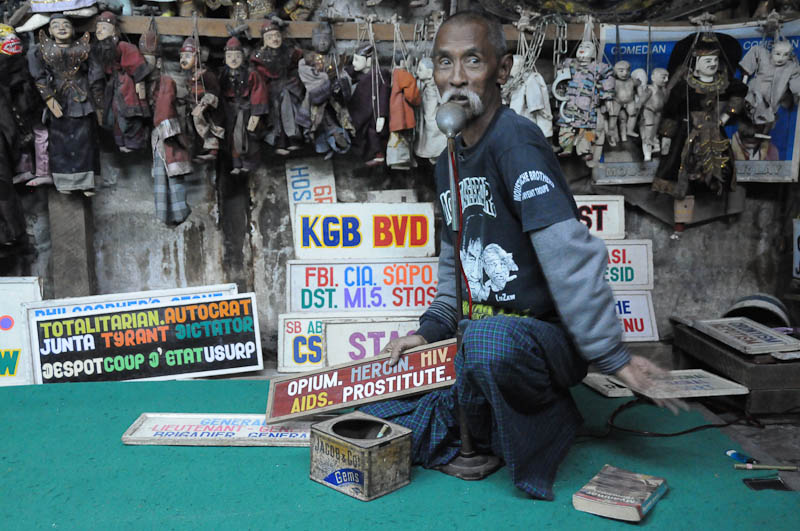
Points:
(494, 30)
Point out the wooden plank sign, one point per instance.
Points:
(689, 383)
(603, 214)
(423, 369)
(630, 264)
(217, 429)
(364, 230)
(15, 355)
(165, 341)
(302, 337)
(309, 180)
(358, 285)
(636, 314)
(746, 335)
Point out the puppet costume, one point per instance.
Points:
(123, 66)
(200, 108)
(430, 140)
(169, 142)
(328, 120)
(279, 68)
(63, 73)
(769, 83)
(245, 94)
(12, 221)
(370, 101)
(700, 157)
(404, 97)
(527, 95)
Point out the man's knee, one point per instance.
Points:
(500, 346)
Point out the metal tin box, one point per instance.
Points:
(360, 455)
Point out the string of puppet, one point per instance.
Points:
(198, 59)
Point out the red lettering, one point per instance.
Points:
(382, 231)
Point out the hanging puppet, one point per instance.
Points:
(526, 93)
(121, 95)
(770, 76)
(202, 104)
(369, 106)
(403, 99)
(590, 87)
(169, 139)
(299, 9)
(277, 61)
(623, 108)
(652, 99)
(62, 68)
(245, 102)
(704, 99)
(430, 140)
(330, 127)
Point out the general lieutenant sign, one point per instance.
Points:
(418, 370)
(165, 341)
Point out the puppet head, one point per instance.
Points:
(234, 54)
(425, 69)
(61, 29)
(322, 37)
(781, 53)
(271, 34)
(9, 42)
(586, 52)
(188, 55)
(148, 43)
(622, 70)
(105, 25)
(659, 77)
(362, 58)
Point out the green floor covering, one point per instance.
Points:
(63, 466)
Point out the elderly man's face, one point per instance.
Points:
(466, 67)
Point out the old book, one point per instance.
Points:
(620, 494)
(689, 383)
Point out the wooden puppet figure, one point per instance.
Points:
(770, 75)
(652, 100)
(623, 106)
(202, 103)
(582, 112)
(121, 95)
(430, 140)
(62, 68)
(526, 93)
(369, 106)
(700, 156)
(245, 102)
(169, 139)
(277, 62)
(404, 98)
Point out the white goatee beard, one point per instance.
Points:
(475, 105)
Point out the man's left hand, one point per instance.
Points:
(638, 376)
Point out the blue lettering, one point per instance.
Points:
(308, 232)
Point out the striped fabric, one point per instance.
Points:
(513, 375)
(170, 193)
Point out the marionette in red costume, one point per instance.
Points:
(121, 96)
(202, 106)
(62, 68)
(369, 106)
(277, 61)
(405, 96)
(245, 101)
(169, 141)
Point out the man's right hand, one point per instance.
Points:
(397, 346)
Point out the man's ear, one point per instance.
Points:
(504, 68)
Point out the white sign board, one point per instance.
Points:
(218, 429)
(15, 355)
(302, 337)
(358, 285)
(309, 180)
(350, 340)
(364, 230)
(746, 335)
(689, 383)
(603, 214)
(132, 300)
(630, 264)
(636, 315)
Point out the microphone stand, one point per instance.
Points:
(468, 464)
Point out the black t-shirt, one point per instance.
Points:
(511, 184)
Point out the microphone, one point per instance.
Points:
(451, 118)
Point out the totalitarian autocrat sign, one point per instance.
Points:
(359, 230)
(358, 285)
(165, 341)
(423, 369)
